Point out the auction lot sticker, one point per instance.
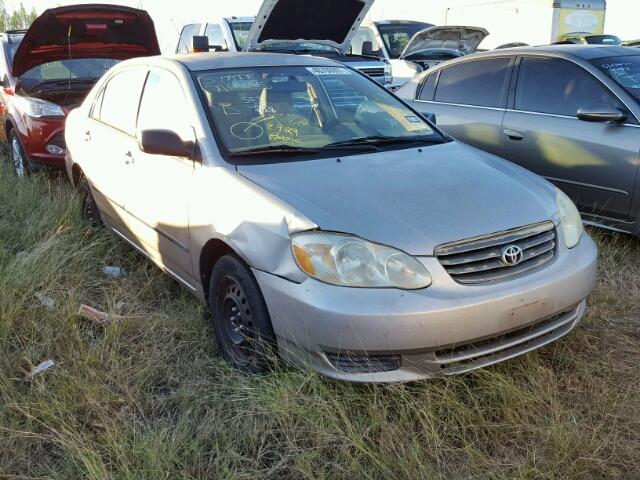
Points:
(329, 70)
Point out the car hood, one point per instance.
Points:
(463, 39)
(86, 31)
(409, 199)
(328, 22)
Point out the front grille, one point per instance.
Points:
(373, 72)
(352, 363)
(464, 358)
(479, 260)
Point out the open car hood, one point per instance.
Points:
(328, 22)
(462, 39)
(86, 31)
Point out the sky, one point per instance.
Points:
(622, 15)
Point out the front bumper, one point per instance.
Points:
(445, 329)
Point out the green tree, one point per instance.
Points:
(19, 19)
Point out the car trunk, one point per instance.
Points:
(463, 40)
(86, 31)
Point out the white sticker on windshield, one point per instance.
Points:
(413, 119)
(330, 71)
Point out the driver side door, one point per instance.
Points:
(594, 163)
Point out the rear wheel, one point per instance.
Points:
(90, 212)
(17, 156)
(240, 317)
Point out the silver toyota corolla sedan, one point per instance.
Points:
(323, 220)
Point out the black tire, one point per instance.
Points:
(240, 317)
(90, 212)
(17, 157)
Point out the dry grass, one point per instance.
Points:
(148, 397)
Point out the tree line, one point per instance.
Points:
(19, 19)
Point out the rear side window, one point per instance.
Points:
(188, 32)
(558, 87)
(480, 83)
(429, 88)
(121, 99)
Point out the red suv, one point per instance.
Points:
(46, 71)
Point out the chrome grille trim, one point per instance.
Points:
(478, 260)
(372, 72)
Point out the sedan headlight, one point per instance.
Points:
(570, 220)
(37, 108)
(350, 261)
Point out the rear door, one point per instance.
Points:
(469, 100)
(594, 163)
(161, 185)
(110, 143)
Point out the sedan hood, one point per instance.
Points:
(462, 39)
(328, 22)
(86, 31)
(409, 199)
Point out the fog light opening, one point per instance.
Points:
(55, 150)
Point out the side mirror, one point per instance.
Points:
(430, 116)
(4, 82)
(165, 142)
(367, 49)
(200, 44)
(601, 113)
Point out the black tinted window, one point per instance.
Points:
(121, 99)
(429, 88)
(481, 83)
(188, 32)
(558, 87)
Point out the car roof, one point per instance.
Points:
(212, 61)
(585, 52)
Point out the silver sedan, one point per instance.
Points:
(324, 221)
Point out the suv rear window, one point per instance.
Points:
(480, 83)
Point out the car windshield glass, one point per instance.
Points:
(85, 69)
(624, 70)
(396, 36)
(240, 32)
(298, 47)
(296, 108)
(603, 40)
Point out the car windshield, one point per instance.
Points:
(240, 31)
(603, 40)
(396, 36)
(624, 70)
(294, 109)
(298, 47)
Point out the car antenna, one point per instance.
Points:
(66, 97)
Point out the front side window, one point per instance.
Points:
(216, 37)
(396, 36)
(186, 37)
(428, 90)
(162, 94)
(625, 71)
(480, 83)
(121, 99)
(320, 108)
(365, 43)
(240, 31)
(558, 87)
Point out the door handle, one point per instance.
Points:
(513, 135)
(129, 160)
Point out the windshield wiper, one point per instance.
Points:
(275, 149)
(379, 140)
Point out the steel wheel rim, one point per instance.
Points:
(236, 320)
(18, 162)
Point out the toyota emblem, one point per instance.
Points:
(512, 255)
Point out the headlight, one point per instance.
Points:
(350, 261)
(570, 220)
(36, 108)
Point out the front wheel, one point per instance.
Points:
(18, 158)
(240, 317)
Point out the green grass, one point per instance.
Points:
(148, 397)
